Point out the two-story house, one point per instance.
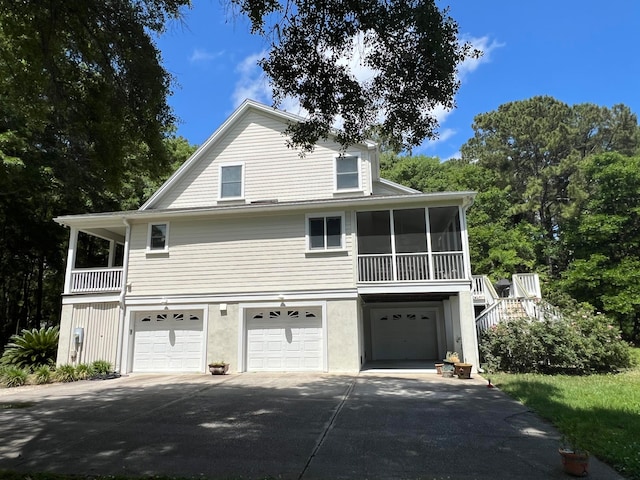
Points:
(255, 255)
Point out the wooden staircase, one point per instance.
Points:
(524, 301)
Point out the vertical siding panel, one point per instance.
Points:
(100, 323)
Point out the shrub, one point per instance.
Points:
(101, 367)
(65, 373)
(32, 348)
(12, 376)
(42, 375)
(580, 342)
(84, 371)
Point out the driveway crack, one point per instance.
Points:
(328, 427)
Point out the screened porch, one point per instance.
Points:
(411, 245)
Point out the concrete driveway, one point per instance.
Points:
(290, 426)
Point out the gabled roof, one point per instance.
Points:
(228, 124)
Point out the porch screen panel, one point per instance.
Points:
(374, 232)
(445, 229)
(410, 228)
(410, 234)
(374, 246)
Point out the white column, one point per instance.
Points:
(71, 258)
(464, 233)
(468, 330)
(112, 253)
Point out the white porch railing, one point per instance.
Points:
(526, 285)
(87, 280)
(483, 291)
(504, 310)
(406, 267)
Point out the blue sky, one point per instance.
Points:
(578, 51)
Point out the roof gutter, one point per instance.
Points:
(464, 198)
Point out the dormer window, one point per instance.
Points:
(347, 173)
(231, 181)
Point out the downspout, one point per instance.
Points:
(123, 294)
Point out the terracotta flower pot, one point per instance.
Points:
(575, 463)
(463, 370)
(439, 368)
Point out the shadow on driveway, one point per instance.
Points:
(289, 426)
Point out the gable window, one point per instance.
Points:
(158, 237)
(325, 232)
(231, 184)
(347, 173)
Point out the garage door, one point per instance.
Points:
(404, 334)
(284, 340)
(168, 342)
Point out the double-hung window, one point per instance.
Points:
(158, 238)
(325, 232)
(347, 173)
(231, 181)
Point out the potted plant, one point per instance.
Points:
(463, 370)
(448, 369)
(575, 460)
(218, 368)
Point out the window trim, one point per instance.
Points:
(336, 159)
(242, 169)
(325, 248)
(166, 238)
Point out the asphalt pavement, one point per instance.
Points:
(281, 426)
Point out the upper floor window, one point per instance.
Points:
(158, 237)
(347, 173)
(325, 232)
(231, 181)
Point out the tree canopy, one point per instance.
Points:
(83, 109)
(558, 194)
(408, 49)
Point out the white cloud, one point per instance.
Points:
(202, 56)
(484, 44)
(252, 82)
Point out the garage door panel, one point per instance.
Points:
(404, 333)
(284, 340)
(168, 342)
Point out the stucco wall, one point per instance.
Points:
(343, 335)
(223, 335)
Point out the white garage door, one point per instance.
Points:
(404, 334)
(284, 340)
(168, 342)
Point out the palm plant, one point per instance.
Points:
(32, 348)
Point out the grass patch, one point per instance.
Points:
(602, 412)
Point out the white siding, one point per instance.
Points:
(272, 171)
(240, 255)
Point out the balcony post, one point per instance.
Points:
(112, 253)
(71, 258)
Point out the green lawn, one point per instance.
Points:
(602, 412)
